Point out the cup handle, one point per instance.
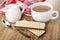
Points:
(55, 16)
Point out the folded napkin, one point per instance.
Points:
(2, 5)
(5, 2)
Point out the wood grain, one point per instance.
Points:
(1, 1)
(52, 30)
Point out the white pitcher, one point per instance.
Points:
(13, 12)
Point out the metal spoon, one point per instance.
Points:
(8, 25)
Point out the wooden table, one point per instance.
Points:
(52, 32)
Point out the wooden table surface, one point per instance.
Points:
(52, 31)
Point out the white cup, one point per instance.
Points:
(13, 12)
(43, 16)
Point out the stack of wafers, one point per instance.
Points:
(36, 28)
